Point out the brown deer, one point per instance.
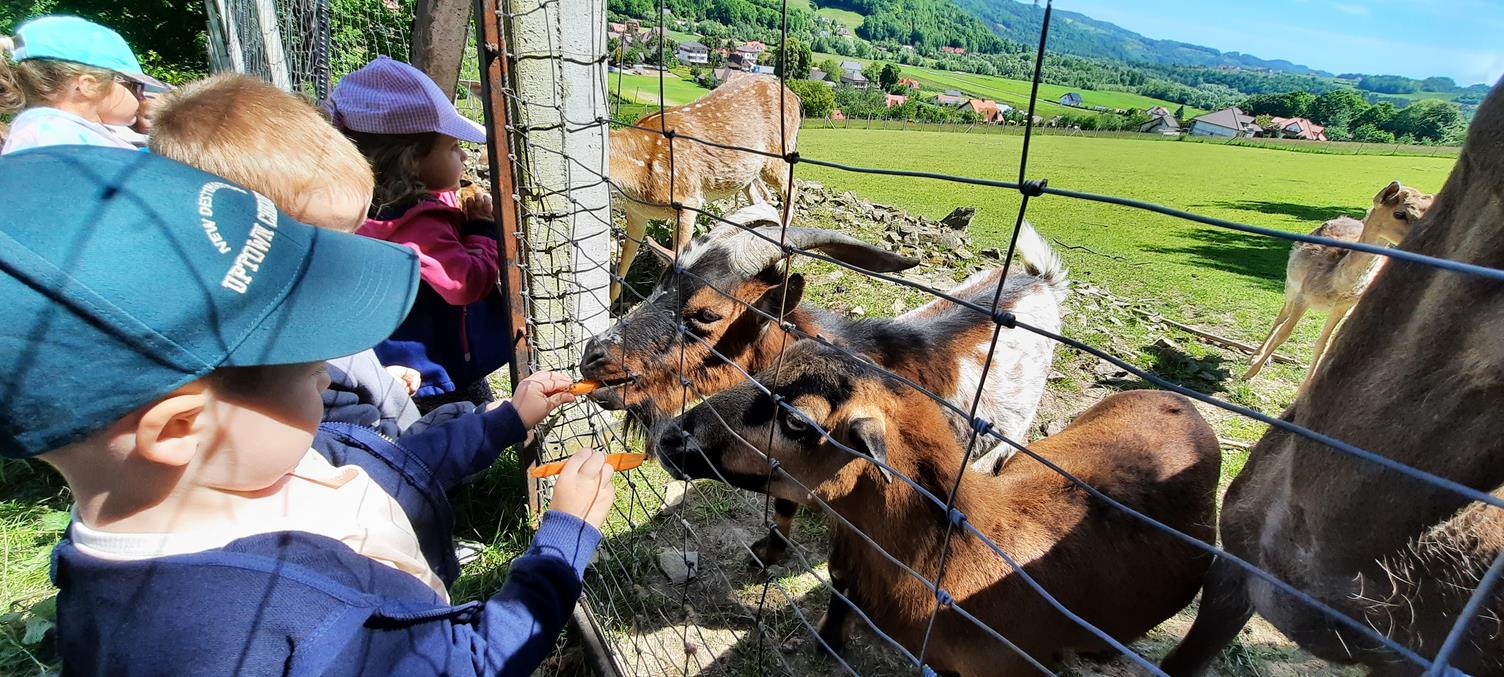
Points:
(744, 113)
(1416, 376)
(1149, 449)
(1332, 279)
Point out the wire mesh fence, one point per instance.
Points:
(674, 590)
(712, 613)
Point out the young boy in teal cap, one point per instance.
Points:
(218, 529)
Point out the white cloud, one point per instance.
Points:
(1356, 10)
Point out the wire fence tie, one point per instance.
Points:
(944, 597)
(981, 425)
(1005, 318)
(1033, 187)
(791, 157)
(957, 517)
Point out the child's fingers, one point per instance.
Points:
(552, 381)
(560, 399)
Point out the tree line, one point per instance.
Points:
(1348, 116)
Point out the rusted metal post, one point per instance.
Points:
(494, 77)
(439, 40)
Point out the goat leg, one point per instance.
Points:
(774, 547)
(832, 630)
(1225, 609)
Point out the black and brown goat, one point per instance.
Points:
(942, 346)
(1150, 450)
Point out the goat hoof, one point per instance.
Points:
(830, 646)
(769, 551)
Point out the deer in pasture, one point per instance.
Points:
(1416, 376)
(747, 112)
(1332, 279)
(1148, 449)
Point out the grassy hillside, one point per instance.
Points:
(1206, 275)
(844, 17)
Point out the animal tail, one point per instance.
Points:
(1041, 261)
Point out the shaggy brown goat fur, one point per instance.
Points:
(1150, 450)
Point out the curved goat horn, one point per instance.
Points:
(751, 252)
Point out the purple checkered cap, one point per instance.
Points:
(387, 96)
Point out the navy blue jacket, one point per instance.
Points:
(292, 603)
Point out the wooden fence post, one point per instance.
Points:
(439, 31)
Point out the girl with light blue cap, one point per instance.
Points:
(75, 82)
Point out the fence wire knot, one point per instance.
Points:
(944, 597)
(1005, 318)
(927, 671)
(792, 157)
(981, 425)
(1033, 187)
(957, 517)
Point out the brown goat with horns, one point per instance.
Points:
(1150, 450)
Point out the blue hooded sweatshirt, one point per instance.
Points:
(293, 603)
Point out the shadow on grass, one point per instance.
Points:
(1260, 259)
(1310, 213)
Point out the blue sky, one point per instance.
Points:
(1463, 39)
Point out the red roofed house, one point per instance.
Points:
(616, 28)
(953, 50)
(836, 114)
(1300, 128)
(908, 83)
(895, 100)
(987, 109)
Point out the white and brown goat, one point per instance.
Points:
(743, 113)
(1416, 376)
(1150, 450)
(1332, 279)
(728, 284)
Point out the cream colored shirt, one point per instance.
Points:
(341, 503)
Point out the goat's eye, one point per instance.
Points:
(793, 423)
(1401, 215)
(706, 316)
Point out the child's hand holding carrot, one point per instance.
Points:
(584, 488)
(539, 394)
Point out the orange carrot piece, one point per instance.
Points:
(584, 387)
(620, 462)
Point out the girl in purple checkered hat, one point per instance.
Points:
(457, 332)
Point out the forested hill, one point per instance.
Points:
(1075, 33)
(924, 24)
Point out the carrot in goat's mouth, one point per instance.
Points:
(584, 387)
(620, 462)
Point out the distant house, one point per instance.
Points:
(693, 53)
(1300, 128)
(1160, 124)
(953, 50)
(836, 114)
(1226, 122)
(851, 66)
(905, 48)
(949, 100)
(990, 111)
(633, 25)
(616, 28)
(816, 74)
(1070, 99)
(754, 46)
(855, 79)
(1159, 111)
(908, 83)
(894, 100)
(953, 92)
(740, 61)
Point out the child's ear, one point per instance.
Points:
(165, 433)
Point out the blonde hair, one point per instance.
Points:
(395, 159)
(38, 82)
(258, 136)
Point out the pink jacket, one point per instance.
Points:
(457, 256)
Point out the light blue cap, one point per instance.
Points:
(69, 38)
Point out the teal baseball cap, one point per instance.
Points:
(69, 38)
(126, 275)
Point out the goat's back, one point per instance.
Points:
(1150, 450)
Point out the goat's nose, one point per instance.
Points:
(594, 356)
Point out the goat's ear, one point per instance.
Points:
(776, 295)
(866, 435)
(1388, 194)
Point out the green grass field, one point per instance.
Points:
(844, 17)
(1199, 274)
(1016, 92)
(644, 88)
